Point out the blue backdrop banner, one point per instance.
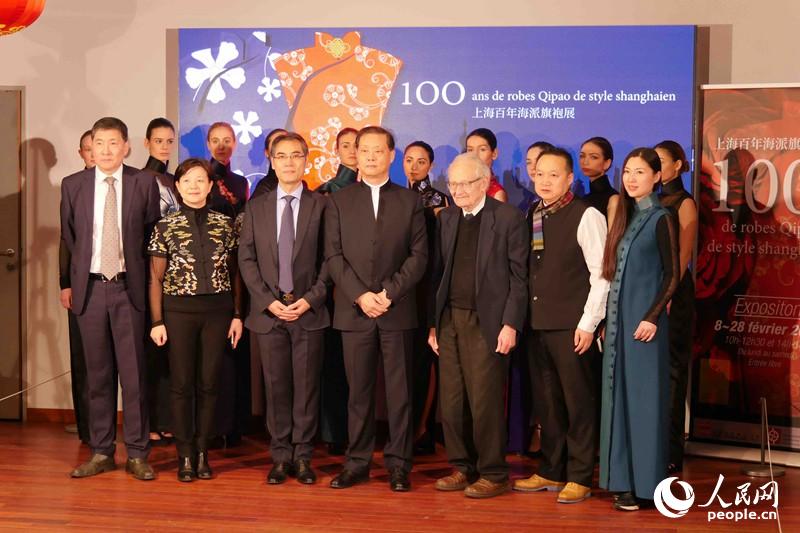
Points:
(633, 85)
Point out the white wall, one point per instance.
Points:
(88, 58)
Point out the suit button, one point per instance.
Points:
(538, 256)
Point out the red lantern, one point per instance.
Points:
(16, 15)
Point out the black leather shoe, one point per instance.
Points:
(348, 478)
(98, 464)
(279, 473)
(398, 480)
(203, 467)
(305, 474)
(186, 472)
(139, 469)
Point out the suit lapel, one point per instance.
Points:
(86, 195)
(128, 194)
(449, 232)
(271, 225)
(485, 239)
(303, 218)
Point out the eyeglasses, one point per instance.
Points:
(465, 185)
(295, 156)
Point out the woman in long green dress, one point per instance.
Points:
(641, 261)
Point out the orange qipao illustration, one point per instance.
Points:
(337, 83)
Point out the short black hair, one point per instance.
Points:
(290, 136)
(421, 144)
(159, 122)
(605, 147)
(562, 153)
(377, 130)
(87, 133)
(111, 123)
(486, 134)
(544, 145)
(189, 164)
(272, 134)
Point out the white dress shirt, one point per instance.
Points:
(592, 231)
(376, 194)
(100, 192)
(296, 194)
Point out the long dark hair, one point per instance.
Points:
(624, 211)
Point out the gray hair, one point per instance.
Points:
(476, 167)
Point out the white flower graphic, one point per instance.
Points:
(334, 95)
(269, 89)
(320, 136)
(245, 127)
(215, 71)
(359, 113)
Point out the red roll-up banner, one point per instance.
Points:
(747, 340)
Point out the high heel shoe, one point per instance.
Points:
(186, 471)
(203, 467)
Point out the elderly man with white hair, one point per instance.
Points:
(480, 274)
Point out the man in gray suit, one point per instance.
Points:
(106, 213)
(281, 262)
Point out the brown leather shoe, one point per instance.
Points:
(98, 464)
(139, 469)
(574, 493)
(535, 483)
(456, 481)
(483, 488)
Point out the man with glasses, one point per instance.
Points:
(377, 249)
(480, 279)
(280, 258)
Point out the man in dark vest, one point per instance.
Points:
(479, 280)
(567, 303)
(377, 248)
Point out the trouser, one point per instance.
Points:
(567, 396)
(472, 391)
(112, 330)
(291, 359)
(361, 352)
(681, 329)
(196, 345)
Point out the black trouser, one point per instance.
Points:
(361, 352)
(426, 388)
(334, 391)
(80, 386)
(196, 343)
(291, 359)
(158, 386)
(472, 391)
(566, 394)
(112, 330)
(681, 328)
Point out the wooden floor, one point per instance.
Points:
(36, 494)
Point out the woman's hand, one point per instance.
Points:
(159, 334)
(645, 332)
(235, 331)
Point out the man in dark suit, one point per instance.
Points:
(376, 248)
(105, 216)
(281, 262)
(480, 274)
(77, 363)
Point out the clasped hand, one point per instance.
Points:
(289, 313)
(374, 304)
